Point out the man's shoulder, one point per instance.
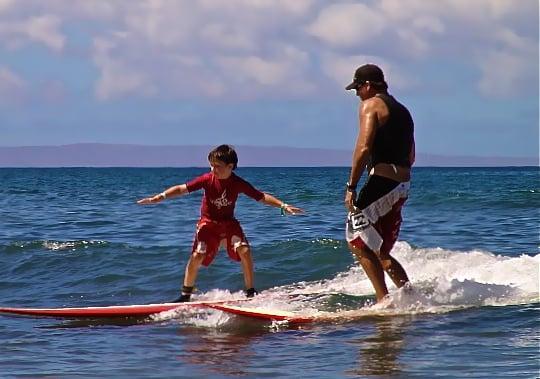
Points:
(374, 104)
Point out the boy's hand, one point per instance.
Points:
(292, 210)
(151, 200)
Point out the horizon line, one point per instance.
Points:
(263, 147)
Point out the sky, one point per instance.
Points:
(267, 72)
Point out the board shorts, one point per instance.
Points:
(211, 235)
(376, 221)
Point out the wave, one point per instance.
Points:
(52, 245)
(450, 277)
(441, 281)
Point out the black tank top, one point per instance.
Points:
(394, 140)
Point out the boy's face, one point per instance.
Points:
(221, 169)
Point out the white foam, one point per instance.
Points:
(441, 281)
(69, 245)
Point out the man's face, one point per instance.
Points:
(221, 169)
(362, 90)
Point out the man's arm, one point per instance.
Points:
(368, 125)
(169, 192)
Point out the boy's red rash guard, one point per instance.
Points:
(220, 195)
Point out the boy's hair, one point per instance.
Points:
(225, 154)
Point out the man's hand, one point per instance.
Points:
(350, 196)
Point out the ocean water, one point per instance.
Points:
(75, 237)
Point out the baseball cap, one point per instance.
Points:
(366, 73)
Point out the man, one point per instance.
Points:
(384, 148)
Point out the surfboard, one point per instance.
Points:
(108, 311)
(263, 314)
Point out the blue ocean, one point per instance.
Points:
(73, 237)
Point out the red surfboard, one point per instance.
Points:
(108, 311)
(263, 314)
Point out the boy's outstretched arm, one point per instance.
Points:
(275, 202)
(169, 192)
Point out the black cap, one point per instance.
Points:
(366, 73)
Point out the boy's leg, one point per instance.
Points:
(239, 250)
(192, 268)
(204, 250)
(190, 275)
(247, 265)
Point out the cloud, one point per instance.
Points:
(42, 29)
(508, 70)
(341, 69)
(12, 87)
(277, 48)
(345, 25)
(5, 4)
(117, 77)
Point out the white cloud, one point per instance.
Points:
(12, 86)
(227, 37)
(117, 78)
(43, 29)
(282, 74)
(295, 6)
(347, 24)
(501, 74)
(228, 48)
(257, 69)
(510, 68)
(5, 4)
(430, 24)
(341, 69)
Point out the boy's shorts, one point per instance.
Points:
(211, 235)
(376, 223)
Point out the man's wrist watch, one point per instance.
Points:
(350, 187)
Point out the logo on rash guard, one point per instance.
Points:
(221, 201)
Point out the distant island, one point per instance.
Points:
(118, 155)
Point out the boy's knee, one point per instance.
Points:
(243, 251)
(197, 256)
(200, 252)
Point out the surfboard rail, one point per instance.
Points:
(263, 314)
(108, 311)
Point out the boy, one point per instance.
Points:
(217, 225)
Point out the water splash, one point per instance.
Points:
(441, 281)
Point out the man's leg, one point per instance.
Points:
(389, 226)
(373, 269)
(395, 270)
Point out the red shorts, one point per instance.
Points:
(210, 235)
